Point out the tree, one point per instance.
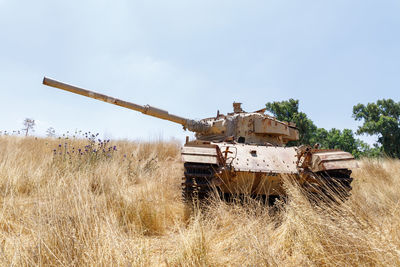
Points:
(29, 125)
(337, 139)
(382, 119)
(50, 132)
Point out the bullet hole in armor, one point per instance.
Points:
(241, 139)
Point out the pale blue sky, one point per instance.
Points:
(192, 58)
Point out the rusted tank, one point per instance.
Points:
(244, 153)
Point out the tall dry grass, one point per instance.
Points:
(125, 210)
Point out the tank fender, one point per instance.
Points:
(330, 160)
(202, 154)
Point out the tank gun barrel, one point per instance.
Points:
(191, 125)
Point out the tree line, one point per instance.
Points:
(381, 119)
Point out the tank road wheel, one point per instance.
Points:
(197, 181)
(331, 185)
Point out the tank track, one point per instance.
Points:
(196, 186)
(197, 179)
(334, 184)
(196, 183)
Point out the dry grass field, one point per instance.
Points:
(121, 206)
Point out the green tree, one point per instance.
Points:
(382, 119)
(337, 139)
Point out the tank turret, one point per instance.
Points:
(240, 126)
(250, 128)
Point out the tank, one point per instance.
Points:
(244, 153)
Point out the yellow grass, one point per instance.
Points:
(126, 211)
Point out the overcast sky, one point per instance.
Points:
(193, 58)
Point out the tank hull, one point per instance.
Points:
(256, 170)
